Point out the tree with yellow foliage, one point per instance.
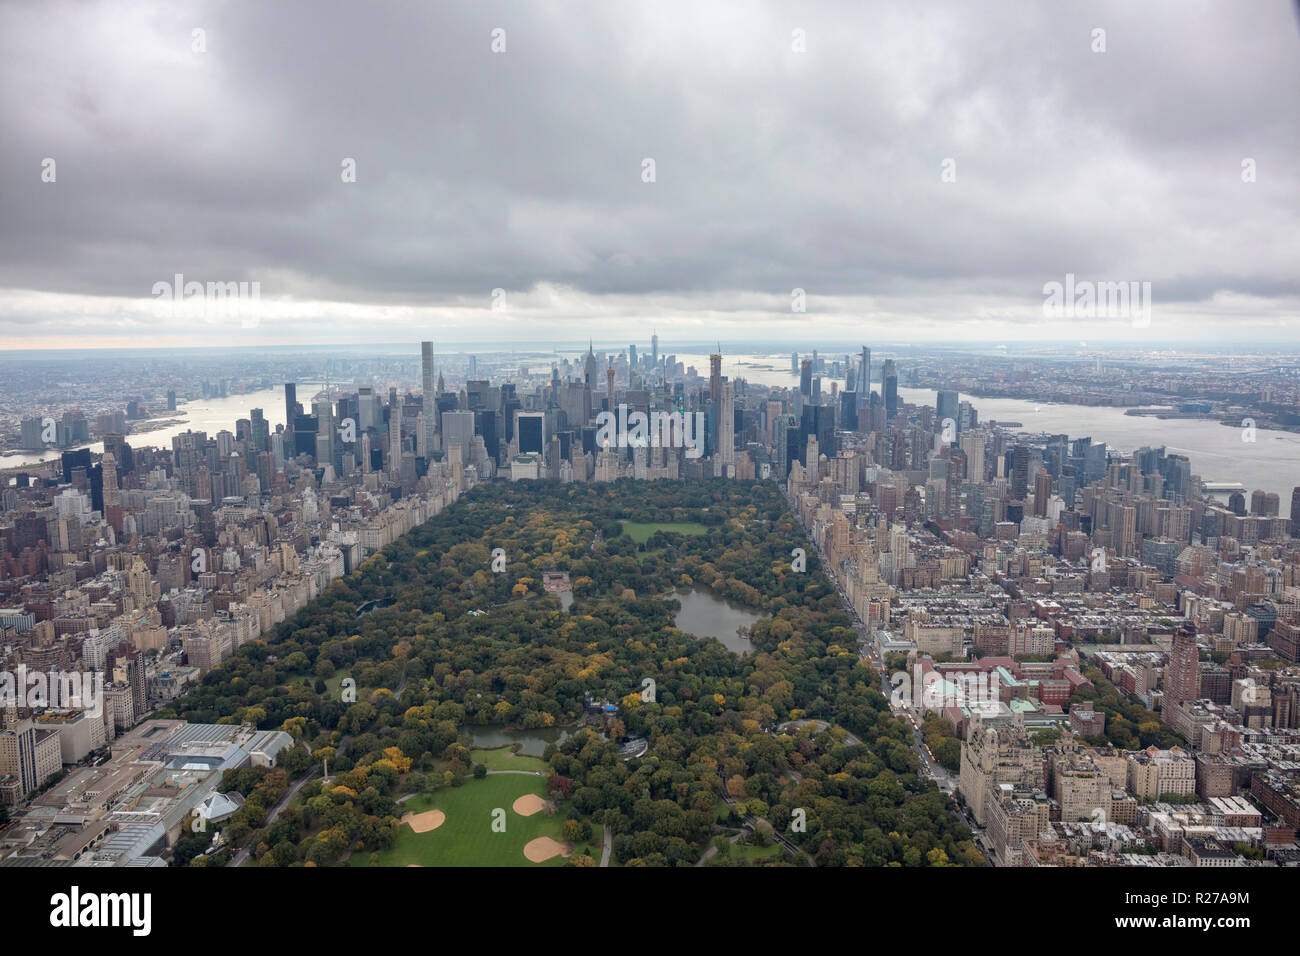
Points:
(401, 763)
(736, 786)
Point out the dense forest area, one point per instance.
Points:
(462, 645)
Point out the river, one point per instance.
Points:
(1217, 453)
(209, 415)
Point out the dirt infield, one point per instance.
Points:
(426, 821)
(529, 804)
(543, 848)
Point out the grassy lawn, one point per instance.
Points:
(740, 851)
(466, 837)
(501, 758)
(331, 683)
(640, 531)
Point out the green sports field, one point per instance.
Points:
(466, 837)
(640, 531)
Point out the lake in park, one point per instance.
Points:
(704, 614)
(533, 742)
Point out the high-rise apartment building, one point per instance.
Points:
(28, 757)
(430, 400)
(394, 461)
(725, 459)
(1183, 672)
(991, 756)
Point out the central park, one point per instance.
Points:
(637, 742)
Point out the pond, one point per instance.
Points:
(375, 605)
(533, 742)
(704, 614)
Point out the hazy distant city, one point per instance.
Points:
(525, 441)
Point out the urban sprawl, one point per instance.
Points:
(1098, 655)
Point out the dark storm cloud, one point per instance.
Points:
(774, 169)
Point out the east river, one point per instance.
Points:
(1217, 452)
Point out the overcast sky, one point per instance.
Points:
(921, 171)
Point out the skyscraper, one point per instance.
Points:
(726, 454)
(1183, 673)
(394, 440)
(260, 432)
(109, 466)
(818, 421)
(849, 411)
(458, 428)
(1042, 492)
(972, 445)
(889, 383)
(531, 429)
(430, 402)
(325, 438)
(19, 756)
(1020, 472)
(291, 412)
(1264, 503)
(864, 372)
(370, 413)
(946, 405)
